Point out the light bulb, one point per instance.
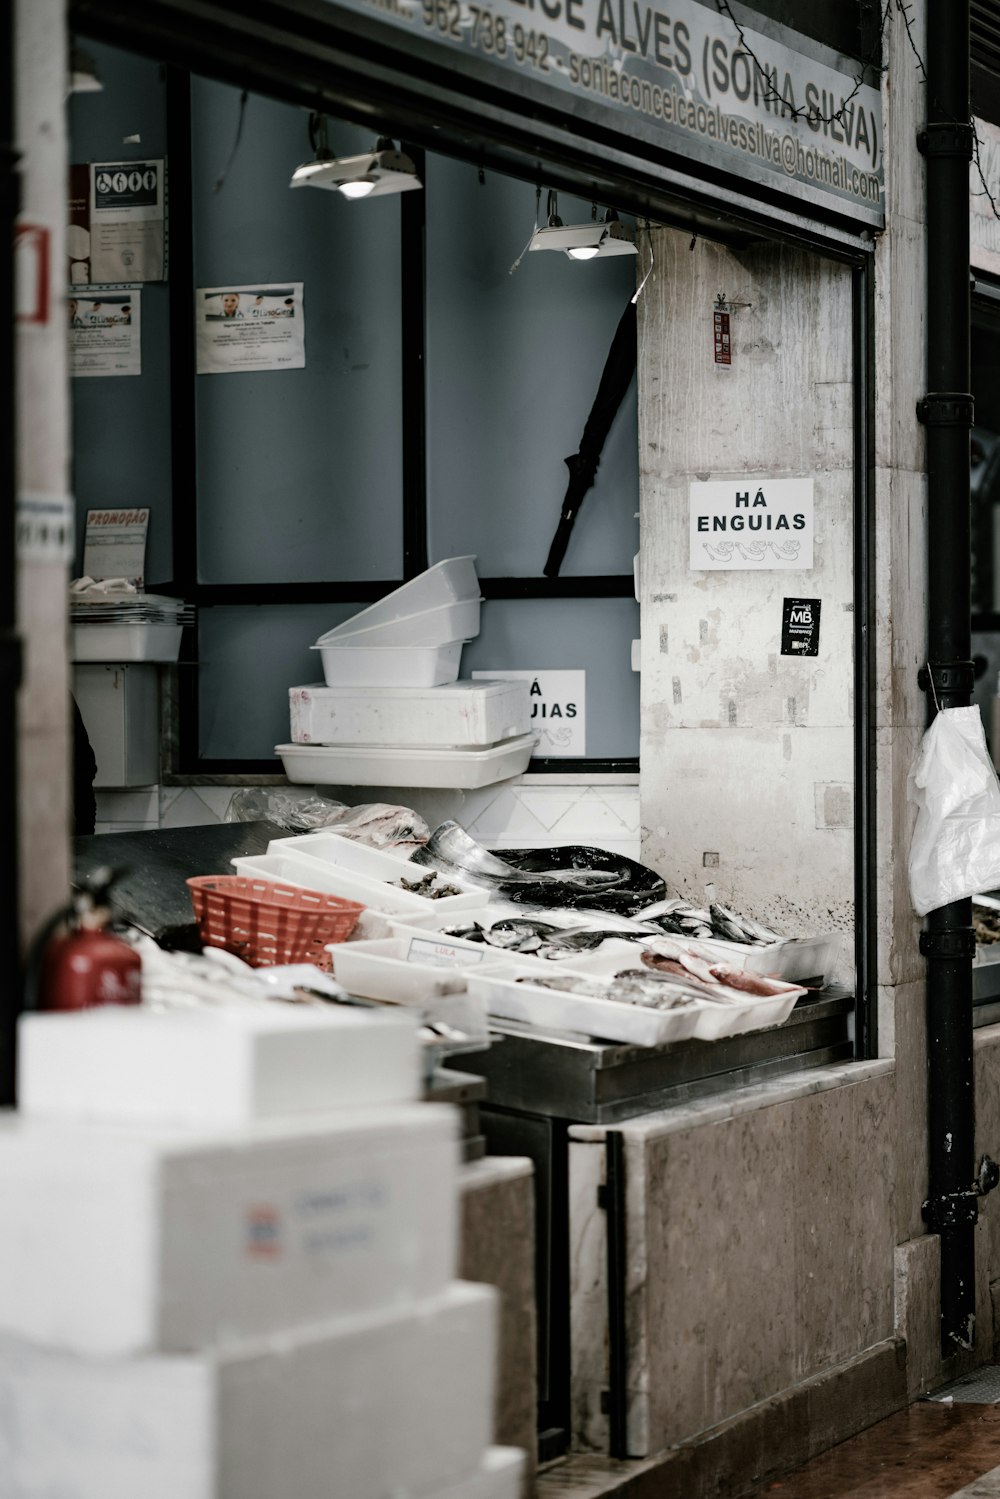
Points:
(583, 252)
(358, 187)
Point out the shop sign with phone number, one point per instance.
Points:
(684, 79)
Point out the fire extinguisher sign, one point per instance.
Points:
(800, 627)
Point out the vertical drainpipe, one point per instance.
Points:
(948, 942)
(10, 651)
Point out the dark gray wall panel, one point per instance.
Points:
(594, 635)
(121, 423)
(250, 657)
(513, 366)
(299, 471)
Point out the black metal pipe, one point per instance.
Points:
(10, 651)
(948, 941)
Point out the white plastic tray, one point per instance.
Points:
(332, 765)
(374, 863)
(315, 874)
(447, 582)
(438, 626)
(459, 715)
(750, 1013)
(124, 642)
(711, 1021)
(792, 959)
(389, 665)
(384, 971)
(608, 1018)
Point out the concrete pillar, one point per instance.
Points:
(746, 782)
(43, 469)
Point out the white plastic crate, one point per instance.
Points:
(451, 581)
(389, 666)
(438, 626)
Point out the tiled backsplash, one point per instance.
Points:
(529, 812)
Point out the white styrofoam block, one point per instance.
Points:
(462, 714)
(214, 1066)
(125, 1240)
(500, 1475)
(390, 1404)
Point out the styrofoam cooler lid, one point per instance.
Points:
(463, 688)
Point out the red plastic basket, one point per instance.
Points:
(264, 922)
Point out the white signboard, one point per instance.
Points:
(558, 709)
(250, 328)
(105, 332)
(758, 100)
(752, 522)
(984, 226)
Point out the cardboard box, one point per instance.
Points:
(119, 1241)
(224, 1066)
(394, 1404)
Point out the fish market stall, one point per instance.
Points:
(555, 989)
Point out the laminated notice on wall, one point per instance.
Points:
(558, 709)
(126, 221)
(105, 331)
(751, 522)
(250, 328)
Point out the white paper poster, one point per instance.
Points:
(558, 708)
(115, 544)
(104, 332)
(126, 221)
(250, 328)
(752, 522)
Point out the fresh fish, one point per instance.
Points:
(567, 876)
(671, 952)
(450, 847)
(519, 933)
(748, 983)
(566, 983)
(428, 886)
(632, 986)
(758, 933)
(726, 924)
(473, 933)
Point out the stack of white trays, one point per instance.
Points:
(392, 711)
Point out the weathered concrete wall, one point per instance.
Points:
(497, 1246)
(747, 754)
(754, 1262)
(729, 766)
(43, 469)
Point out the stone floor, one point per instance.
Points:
(930, 1451)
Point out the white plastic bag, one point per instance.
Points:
(955, 852)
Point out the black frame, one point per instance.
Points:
(299, 50)
(189, 762)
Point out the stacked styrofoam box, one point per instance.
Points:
(221, 1278)
(392, 712)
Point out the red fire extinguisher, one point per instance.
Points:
(86, 965)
